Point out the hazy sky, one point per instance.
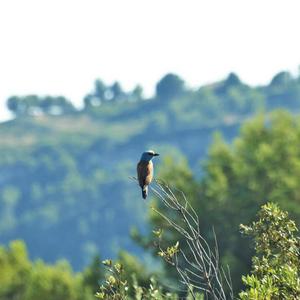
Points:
(60, 46)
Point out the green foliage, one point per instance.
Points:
(32, 105)
(116, 287)
(137, 93)
(170, 166)
(232, 80)
(103, 94)
(117, 92)
(93, 274)
(263, 164)
(25, 280)
(54, 282)
(169, 87)
(283, 91)
(132, 265)
(15, 270)
(276, 264)
(169, 253)
(280, 79)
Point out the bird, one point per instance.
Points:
(145, 171)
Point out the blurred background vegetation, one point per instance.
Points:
(64, 176)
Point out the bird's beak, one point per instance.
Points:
(155, 154)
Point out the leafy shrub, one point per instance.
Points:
(276, 265)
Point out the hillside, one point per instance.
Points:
(64, 176)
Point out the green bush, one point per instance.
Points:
(275, 270)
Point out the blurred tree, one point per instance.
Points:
(23, 105)
(169, 87)
(262, 165)
(281, 79)
(283, 91)
(100, 89)
(55, 282)
(132, 265)
(25, 280)
(97, 96)
(32, 105)
(117, 92)
(64, 104)
(232, 80)
(93, 274)
(242, 99)
(15, 270)
(56, 105)
(137, 93)
(13, 105)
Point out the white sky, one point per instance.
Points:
(60, 46)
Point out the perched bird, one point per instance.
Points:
(145, 171)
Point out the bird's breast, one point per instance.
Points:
(145, 172)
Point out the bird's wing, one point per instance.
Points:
(145, 173)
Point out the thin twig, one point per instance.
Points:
(199, 266)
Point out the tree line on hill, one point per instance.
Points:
(230, 94)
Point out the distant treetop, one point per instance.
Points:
(281, 78)
(169, 87)
(33, 105)
(232, 80)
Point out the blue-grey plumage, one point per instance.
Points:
(145, 171)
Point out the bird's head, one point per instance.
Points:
(148, 155)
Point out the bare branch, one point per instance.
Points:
(196, 262)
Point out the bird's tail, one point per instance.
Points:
(145, 192)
